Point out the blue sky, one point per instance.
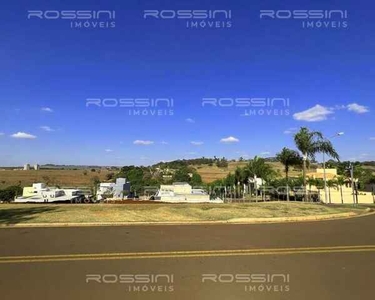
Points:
(49, 70)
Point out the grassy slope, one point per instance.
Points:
(51, 213)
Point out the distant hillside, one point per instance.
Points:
(211, 173)
(52, 177)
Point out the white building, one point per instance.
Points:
(183, 192)
(115, 190)
(26, 167)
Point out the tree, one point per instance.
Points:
(9, 193)
(331, 184)
(109, 176)
(230, 181)
(222, 163)
(182, 175)
(196, 180)
(288, 158)
(238, 180)
(258, 168)
(94, 184)
(309, 143)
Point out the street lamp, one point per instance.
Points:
(324, 168)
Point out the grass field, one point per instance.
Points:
(53, 213)
(77, 178)
(73, 178)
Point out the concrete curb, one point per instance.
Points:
(237, 221)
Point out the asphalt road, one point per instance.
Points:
(312, 260)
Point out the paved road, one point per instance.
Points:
(314, 260)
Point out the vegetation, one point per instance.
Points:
(142, 177)
(288, 158)
(364, 174)
(309, 143)
(10, 192)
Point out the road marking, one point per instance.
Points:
(182, 254)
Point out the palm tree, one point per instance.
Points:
(340, 182)
(288, 158)
(331, 184)
(309, 143)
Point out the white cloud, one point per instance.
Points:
(229, 140)
(46, 109)
(23, 135)
(108, 150)
(265, 153)
(47, 128)
(372, 138)
(142, 142)
(339, 107)
(164, 143)
(196, 143)
(359, 109)
(191, 153)
(290, 130)
(189, 120)
(1, 133)
(313, 114)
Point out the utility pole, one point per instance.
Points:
(325, 179)
(352, 180)
(324, 169)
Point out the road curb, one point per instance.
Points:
(236, 221)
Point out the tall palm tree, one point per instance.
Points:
(309, 143)
(288, 158)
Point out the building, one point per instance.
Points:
(26, 167)
(116, 190)
(179, 192)
(39, 192)
(36, 167)
(340, 194)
